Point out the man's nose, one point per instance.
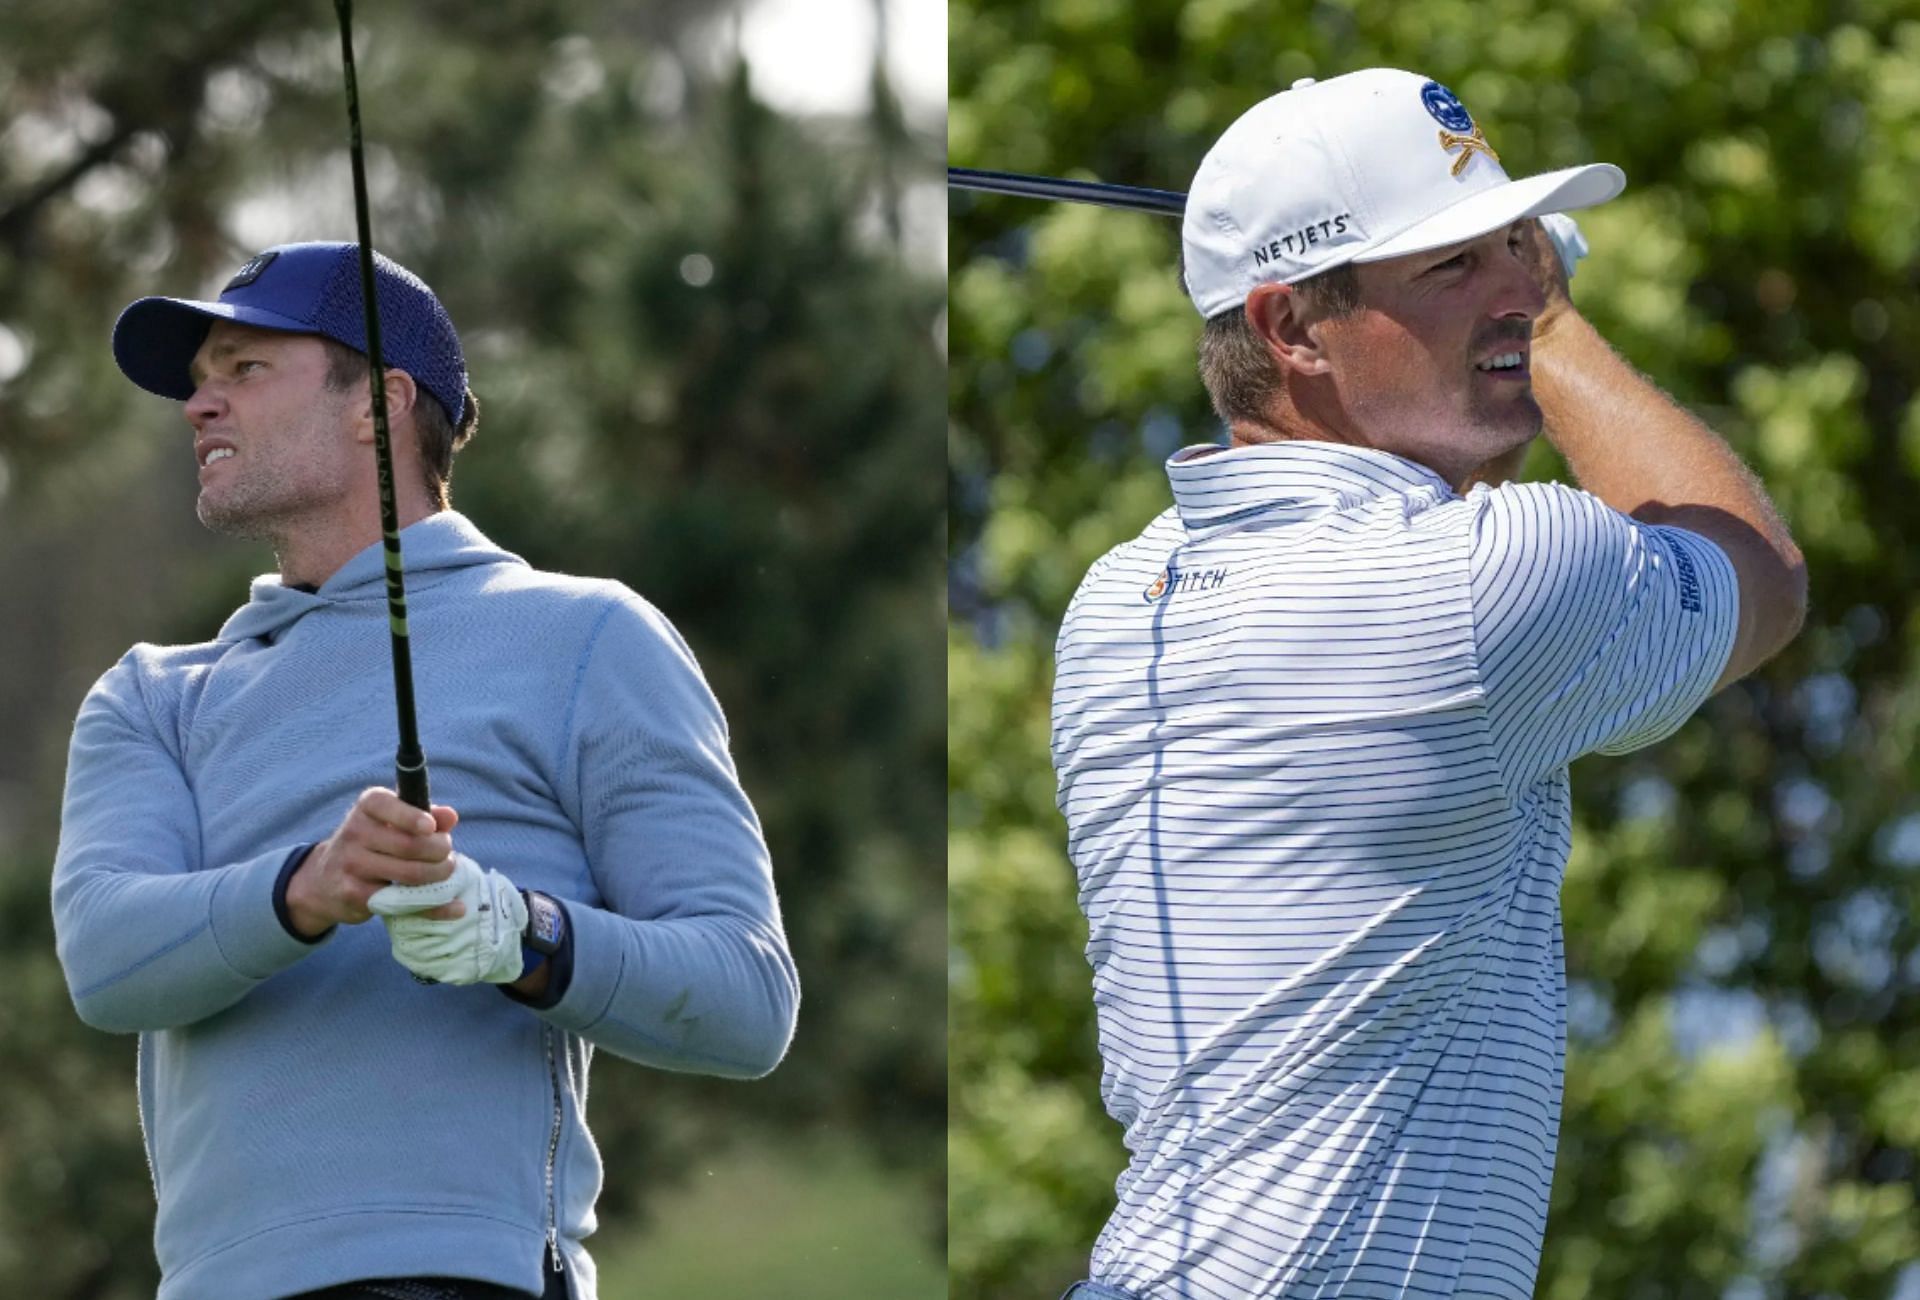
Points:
(1519, 296)
(206, 405)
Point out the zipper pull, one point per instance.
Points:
(553, 1249)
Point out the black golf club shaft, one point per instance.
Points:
(1166, 203)
(410, 762)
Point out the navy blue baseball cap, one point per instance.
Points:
(302, 289)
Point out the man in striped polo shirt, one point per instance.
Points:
(1312, 726)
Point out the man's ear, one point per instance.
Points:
(1278, 317)
(401, 395)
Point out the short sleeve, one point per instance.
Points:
(1595, 632)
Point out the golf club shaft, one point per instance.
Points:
(410, 763)
(1166, 203)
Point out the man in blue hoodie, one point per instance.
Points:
(319, 1121)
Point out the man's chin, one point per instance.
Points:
(1516, 415)
(1503, 440)
(232, 519)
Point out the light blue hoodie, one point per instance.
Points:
(313, 1115)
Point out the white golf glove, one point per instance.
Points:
(1566, 237)
(483, 946)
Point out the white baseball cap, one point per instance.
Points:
(1357, 168)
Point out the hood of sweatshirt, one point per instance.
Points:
(431, 550)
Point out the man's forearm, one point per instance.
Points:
(156, 950)
(1630, 444)
(1639, 451)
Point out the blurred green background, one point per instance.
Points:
(696, 254)
(1742, 1108)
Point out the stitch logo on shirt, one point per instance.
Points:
(1689, 581)
(1172, 581)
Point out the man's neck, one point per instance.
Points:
(1289, 426)
(1253, 433)
(308, 558)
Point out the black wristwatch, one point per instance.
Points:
(546, 926)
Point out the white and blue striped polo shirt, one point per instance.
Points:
(1311, 729)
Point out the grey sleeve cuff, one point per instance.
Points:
(248, 916)
(701, 994)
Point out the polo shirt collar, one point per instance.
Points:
(1212, 486)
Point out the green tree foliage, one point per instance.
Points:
(707, 367)
(1744, 1064)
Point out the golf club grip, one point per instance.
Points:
(410, 780)
(1166, 203)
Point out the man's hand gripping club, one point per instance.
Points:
(472, 939)
(448, 919)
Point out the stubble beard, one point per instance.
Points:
(1514, 421)
(265, 499)
(270, 507)
(238, 514)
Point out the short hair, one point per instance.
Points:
(437, 436)
(1240, 376)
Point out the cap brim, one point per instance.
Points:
(1492, 209)
(155, 339)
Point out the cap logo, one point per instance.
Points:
(1446, 108)
(1325, 231)
(247, 274)
(1467, 145)
(1458, 129)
